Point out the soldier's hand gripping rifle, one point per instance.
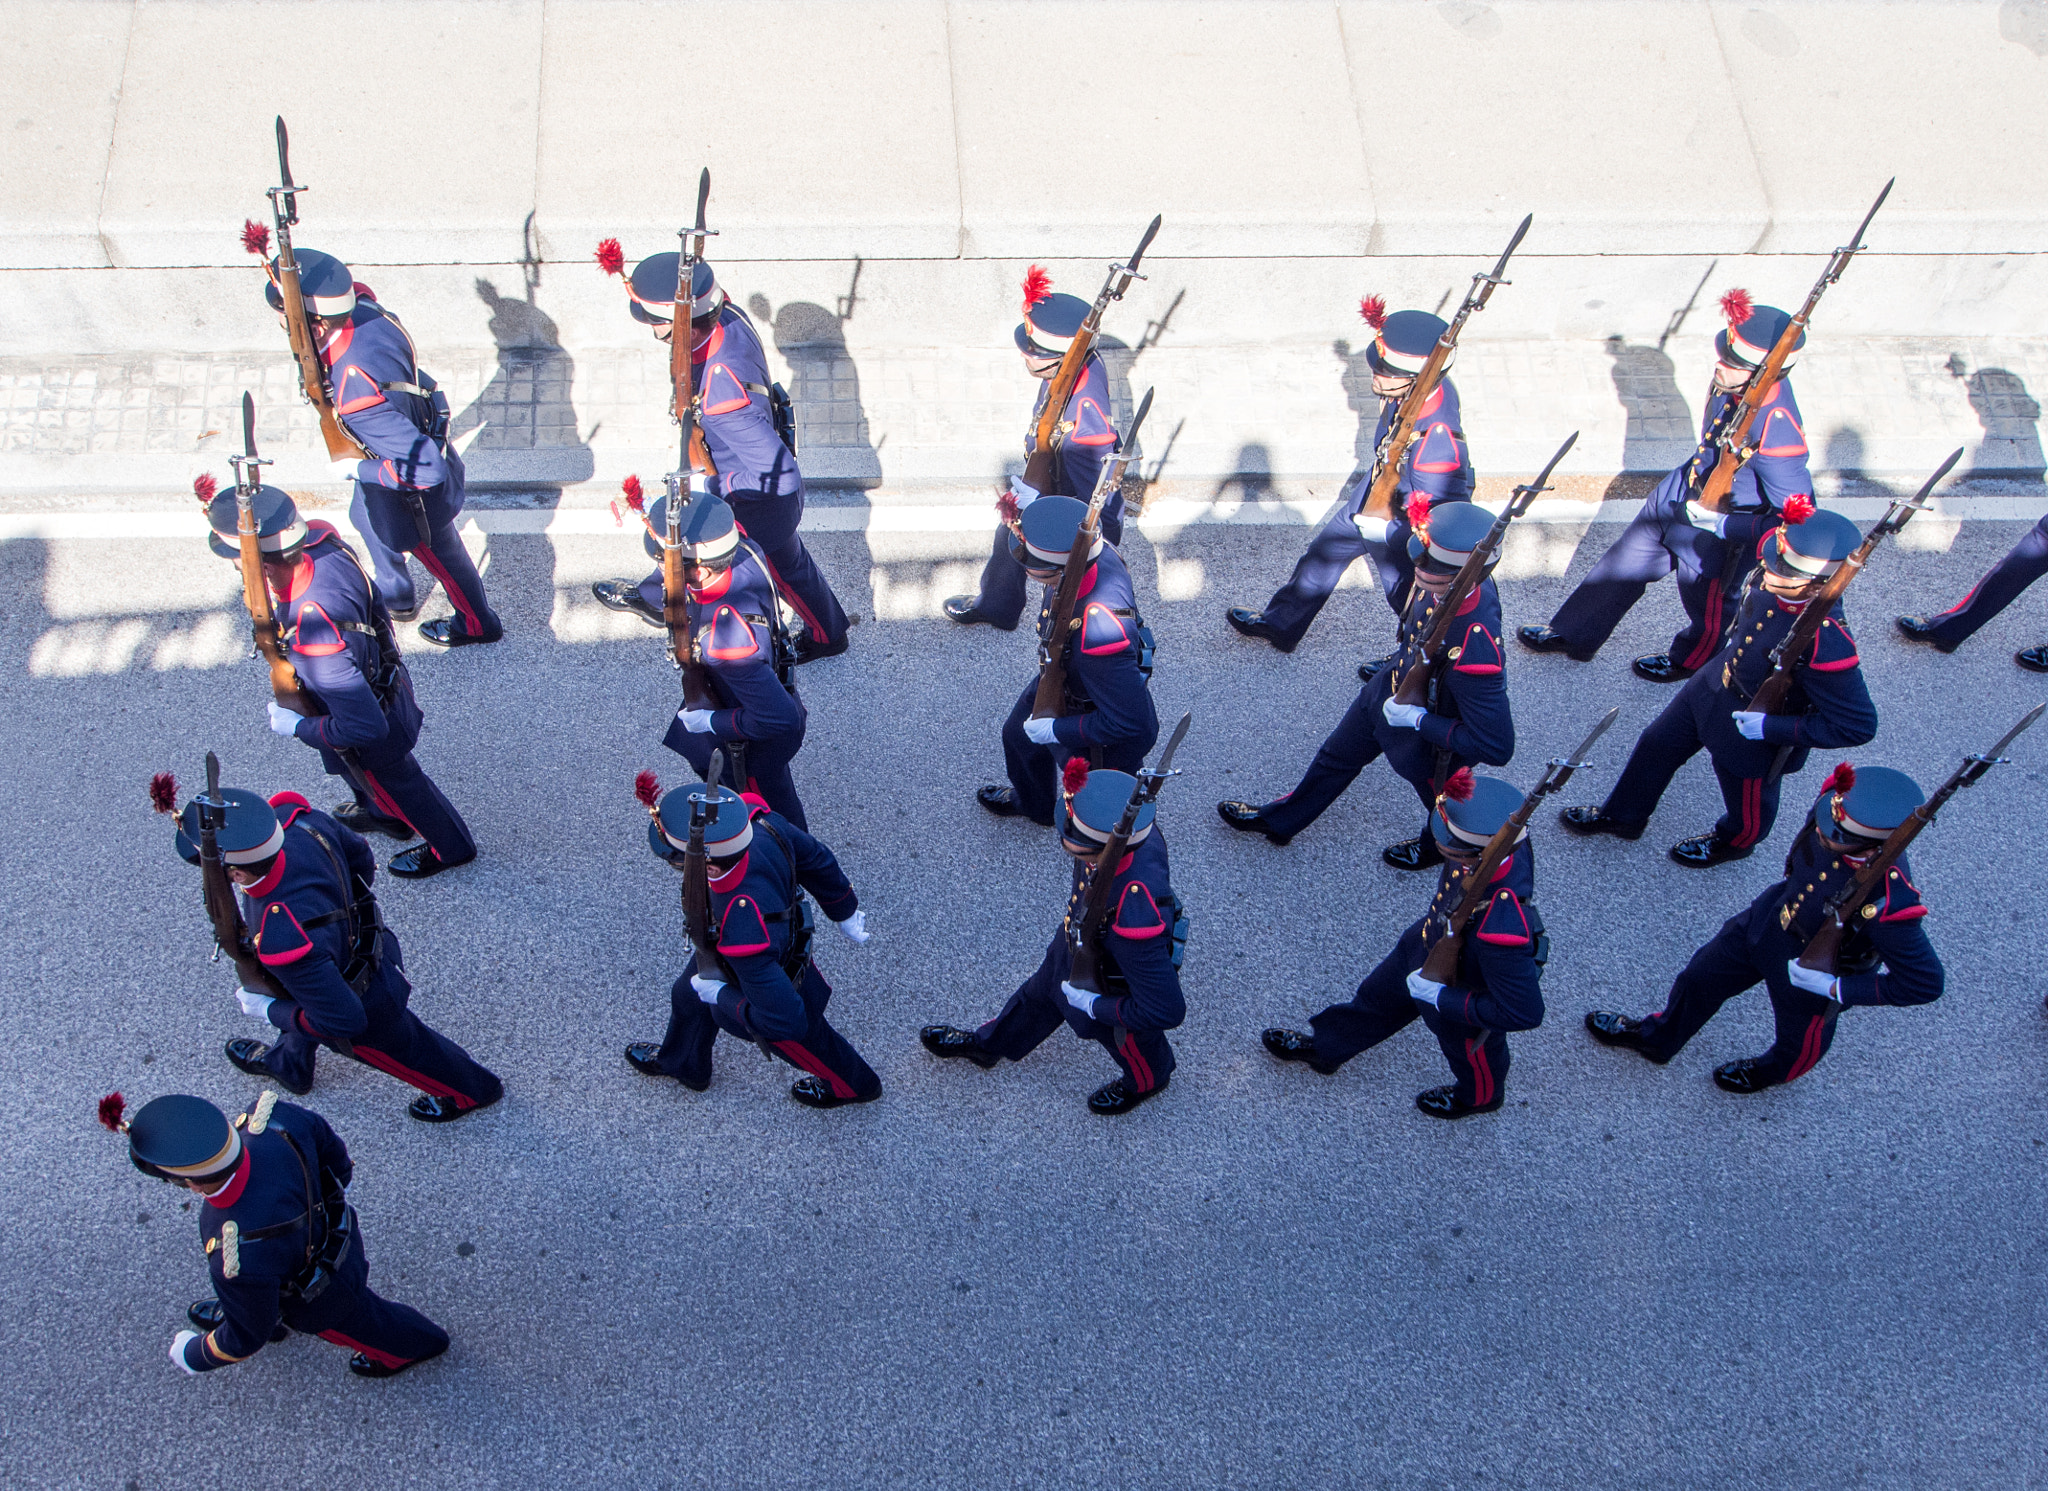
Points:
(1046, 423)
(1084, 933)
(1413, 686)
(1855, 896)
(229, 935)
(1052, 649)
(298, 321)
(263, 628)
(1441, 964)
(1387, 458)
(677, 571)
(1732, 434)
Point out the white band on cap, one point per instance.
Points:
(703, 305)
(331, 305)
(1805, 564)
(1083, 831)
(1450, 557)
(1050, 557)
(1478, 840)
(1051, 341)
(260, 853)
(721, 547)
(723, 847)
(227, 1159)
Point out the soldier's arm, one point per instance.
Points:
(1093, 437)
(1434, 465)
(1839, 712)
(250, 1306)
(759, 997)
(1909, 970)
(1505, 950)
(753, 455)
(765, 710)
(817, 871)
(1105, 660)
(1485, 727)
(354, 718)
(400, 455)
(333, 1154)
(318, 1001)
(1781, 457)
(1140, 941)
(356, 850)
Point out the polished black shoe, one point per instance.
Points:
(421, 863)
(624, 595)
(1442, 1102)
(443, 632)
(2033, 658)
(1414, 854)
(814, 1092)
(1249, 623)
(408, 614)
(1589, 820)
(1117, 1097)
(362, 1366)
(1295, 1045)
(1742, 1076)
(1000, 800)
(1920, 629)
(809, 650)
(641, 1056)
(208, 1314)
(1543, 639)
(1657, 667)
(366, 821)
(961, 608)
(1367, 672)
(1612, 1028)
(950, 1041)
(432, 1109)
(1251, 819)
(248, 1055)
(1704, 851)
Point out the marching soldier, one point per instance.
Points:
(1089, 438)
(751, 441)
(406, 496)
(1500, 966)
(1437, 466)
(1829, 706)
(1140, 955)
(340, 637)
(1110, 718)
(1885, 956)
(2026, 563)
(1672, 533)
(305, 892)
(772, 993)
(1466, 720)
(283, 1245)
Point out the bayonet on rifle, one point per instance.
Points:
(677, 571)
(298, 320)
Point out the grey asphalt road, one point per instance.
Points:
(1266, 1278)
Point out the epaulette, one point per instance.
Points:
(1137, 914)
(1102, 631)
(1505, 924)
(1091, 425)
(259, 1116)
(1438, 453)
(1479, 652)
(1781, 427)
(1834, 650)
(287, 940)
(356, 391)
(1902, 901)
(742, 932)
(730, 638)
(289, 805)
(723, 392)
(230, 1249)
(315, 633)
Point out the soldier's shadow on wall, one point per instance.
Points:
(2011, 418)
(1660, 426)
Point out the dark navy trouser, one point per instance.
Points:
(823, 1052)
(1672, 739)
(390, 531)
(1361, 737)
(768, 773)
(1336, 545)
(1382, 1006)
(1003, 581)
(771, 522)
(2022, 566)
(396, 1042)
(1038, 1008)
(1729, 965)
(1034, 769)
(392, 784)
(351, 1314)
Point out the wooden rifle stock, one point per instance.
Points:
(263, 628)
(222, 909)
(1084, 938)
(1046, 423)
(677, 572)
(697, 878)
(298, 321)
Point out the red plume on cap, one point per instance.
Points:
(1798, 508)
(1459, 787)
(1075, 776)
(1374, 309)
(610, 257)
(1007, 509)
(255, 237)
(635, 498)
(1736, 306)
(204, 486)
(1418, 512)
(1841, 779)
(647, 787)
(1037, 286)
(163, 792)
(112, 1106)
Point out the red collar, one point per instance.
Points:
(1436, 398)
(268, 883)
(1471, 600)
(230, 1193)
(1088, 580)
(1507, 863)
(715, 590)
(711, 344)
(335, 347)
(1124, 866)
(731, 878)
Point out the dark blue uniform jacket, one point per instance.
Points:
(1499, 985)
(754, 915)
(1141, 985)
(331, 620)
(1777, 470)
(1829, 705)
(393, 424)
(1088, 435)
(1109, 701)
(739, 429)
(1468, 696)
(735, 642)
(1438, 463)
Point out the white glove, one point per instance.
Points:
(1750, 722)
(1080, 999)
(1039, 731)
(178, 1352)
(1023, 493)
(1699, 517)
(255, 1006)
(696, 721)
(344, 470)
(855, 927)
(1374, 530)
(700, 484)
(283, 721)
(1402, 716)
(1422, 990)
(708, 989)
(1813, 981)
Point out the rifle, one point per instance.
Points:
(697, 877)
(1083, 937)
(1413, 687)
(1046, 422)
(1052, 651)
(1386, 459)
(263, 628)
(678, 572)
(298, 321)
(1790, 654)
(1441, 964)
(1823, 947)
(222, 909)
(1738, 448)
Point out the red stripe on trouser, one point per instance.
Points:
(1752, 812)
(1141, 1069)
(800, 1056)
(1482, 1074)
(381, 1358)
(456, 598)
(1961, 603)
(1809, 1049)
(1710, 629)
(795, 601)
(385, 803)
(370, 1056)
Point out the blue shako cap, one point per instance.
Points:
(1747, 343)
(730, 830)
(1404, 343)
(182, 1136)
(1812, 549)
(1453, 531)
(710, 533)
(249, 835)
(279, 528)
(328, 285)
(1471, 823)
(1876, 803)
(651, 289)
(1094, 811)
(1050, 525)
(1048, 327)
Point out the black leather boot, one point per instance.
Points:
(950, 1041)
